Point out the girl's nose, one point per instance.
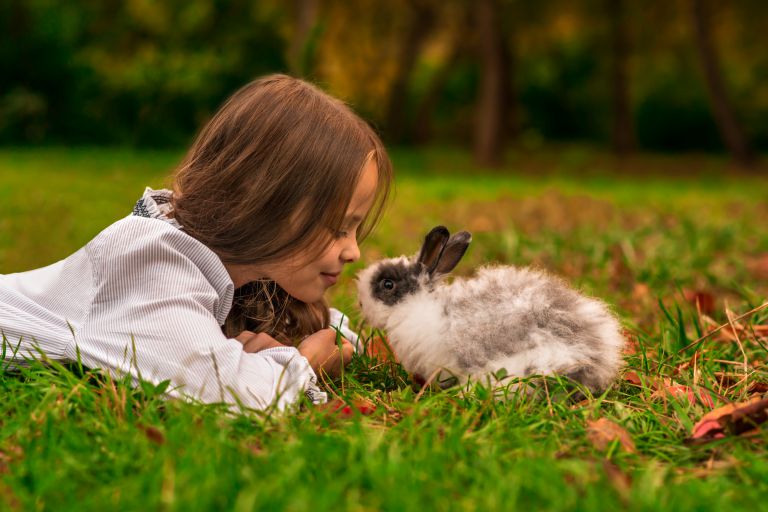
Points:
(351, 252)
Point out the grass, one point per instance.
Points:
(649, 243)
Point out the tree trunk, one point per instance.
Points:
(623, 134)
(396, 117)
(305, 16)
(731, 132)
(493, 90)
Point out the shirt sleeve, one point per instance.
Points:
(159, 299)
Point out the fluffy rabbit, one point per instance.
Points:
(519, 319)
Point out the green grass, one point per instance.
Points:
(643, 242)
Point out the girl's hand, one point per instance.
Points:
(323, 353)
(254, 342)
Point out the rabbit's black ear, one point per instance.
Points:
(433, 247)
(452, 253)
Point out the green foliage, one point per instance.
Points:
(135, 72)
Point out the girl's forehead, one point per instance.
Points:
(365, 191)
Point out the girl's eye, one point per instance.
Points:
(388, 284)
(340, 234)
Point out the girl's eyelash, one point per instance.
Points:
(340, 234)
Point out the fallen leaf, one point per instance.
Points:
(380, 349)
(9, 455)
(633, 378)
(694, 395)
(702, 300)
(759, 266)
(728, 333)
(631, 343)
(255, 448)
(347, 410)
(8, 498)
(153, 434)
(729, 420)
(640, 291)
(602, 432)
(621, 481)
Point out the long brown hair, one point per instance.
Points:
(270, 175)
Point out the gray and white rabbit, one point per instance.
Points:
(519, 319)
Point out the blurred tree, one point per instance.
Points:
(730, 129)
(493, 93)
(306, 31)
(623, 133)
(421, 20)
(457, 49)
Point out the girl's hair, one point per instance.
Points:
(272, 175)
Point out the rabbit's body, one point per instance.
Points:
(522, 320)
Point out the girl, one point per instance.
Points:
(210, 285)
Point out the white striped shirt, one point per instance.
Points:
(145, 298)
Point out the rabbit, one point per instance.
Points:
(521, 320)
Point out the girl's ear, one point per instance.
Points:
(433, 246)
(452, 253)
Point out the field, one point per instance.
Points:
(677, 246)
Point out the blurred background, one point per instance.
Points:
(626, 76)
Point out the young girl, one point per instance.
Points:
(210, 285)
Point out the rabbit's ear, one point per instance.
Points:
(433, 247)
(452, 253)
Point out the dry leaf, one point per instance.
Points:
(728, 333)
(380, 349)
(702, 300)
(602, 432)
(641, 291)
(693, 394)
(153, 434)
(759, 266)
(621, 481)
(347, 410)
(732, 419)
(633, 378)
(631, 344)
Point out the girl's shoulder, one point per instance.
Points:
(139, 256)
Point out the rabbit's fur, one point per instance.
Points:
(519, 319)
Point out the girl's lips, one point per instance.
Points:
(330, 279)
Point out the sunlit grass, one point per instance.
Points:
(70, 439)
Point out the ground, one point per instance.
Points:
(674, 244)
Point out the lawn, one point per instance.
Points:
(676, 245)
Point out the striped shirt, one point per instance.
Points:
(146, 299)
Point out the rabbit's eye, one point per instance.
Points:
(388, 284)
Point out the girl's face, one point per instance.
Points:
(308, 282)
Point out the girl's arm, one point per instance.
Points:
(159, 300)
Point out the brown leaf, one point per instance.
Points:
(602, 432)
(732, 419)
(759, 266)
(347, 410)
(380, 349)
(728, 333)
(8, 455)
(641, 291)
(631, 343)
(255, 448)
(704, 301)
(633, 378)
(153, 434)
(621, 481)
(8, 498)
(692, 394)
